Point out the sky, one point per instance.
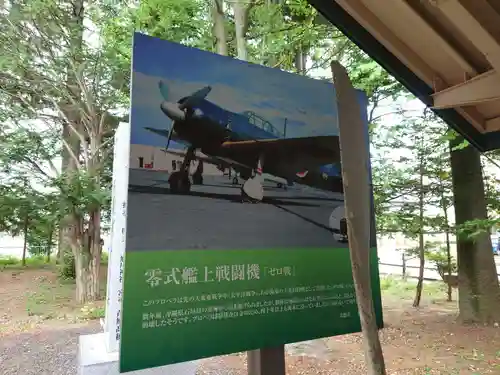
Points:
(308, 105)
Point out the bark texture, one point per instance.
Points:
(479, 292)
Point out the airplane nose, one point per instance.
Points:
(173, 111)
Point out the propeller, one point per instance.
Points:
(195, 97)
(164, 93)
(177, 111)
(163, 90)
(170, 135)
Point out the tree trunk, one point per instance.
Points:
(444, 207)
(448, 260)
(87, 278)
(420, 282)
(88, 261)
(95, 249)
(403, 259)
(71, 148)
(68, 167)
(300, 60)
(421, 244)
(219, 27)
(59, 256)
(25, 243)
(241, 10)
(479, 292)
(49, 243)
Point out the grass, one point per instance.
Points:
(12, 262)
(54, 298)
(34, 294)
(35, 261)
(397, 287)
(92, 311)
(49, 298)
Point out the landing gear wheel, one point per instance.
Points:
(179, 183)
(280, 185)
(245, 198)
(197, 179)
(235, 181)
(252, 190)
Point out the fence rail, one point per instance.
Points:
(404, 274)
(404, 267)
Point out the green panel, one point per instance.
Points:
(183, 305)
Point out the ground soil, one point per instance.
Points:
(415, 341)
(34, 298)
(37, 311)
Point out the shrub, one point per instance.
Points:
(91, 311)
(104, 258)
(66, 269)
(439, 258)
(8, 260)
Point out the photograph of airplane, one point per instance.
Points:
(229, 168)
(208, 131)
(242, 141)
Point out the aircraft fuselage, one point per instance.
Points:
(207, 126)
(201, 132)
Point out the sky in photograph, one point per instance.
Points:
(307, 104)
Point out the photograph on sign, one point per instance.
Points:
(235, 234)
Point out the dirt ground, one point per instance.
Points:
(34, 298)
(415, 341)
(427, 340)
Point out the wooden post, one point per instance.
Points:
(404, 265)
(355, 175)
(25, 235)
(268, 361)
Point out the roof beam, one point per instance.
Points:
(480, 89)
(472, 29)
(493, 124)
(406, 11)
(382, 33)
(367, 19)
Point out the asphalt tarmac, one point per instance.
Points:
(212, 216)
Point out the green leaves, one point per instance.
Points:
(473, 229)
(438, 255)
(411, 172)
(20, 204)
(81, 193)
(57, 76)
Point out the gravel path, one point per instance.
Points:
(47, 351)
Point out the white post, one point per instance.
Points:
(117, 236)
(98, 354)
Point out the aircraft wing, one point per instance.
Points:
(210, 159)
(226, 163)
(205, 159)
(317, 151)
(164, 133)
